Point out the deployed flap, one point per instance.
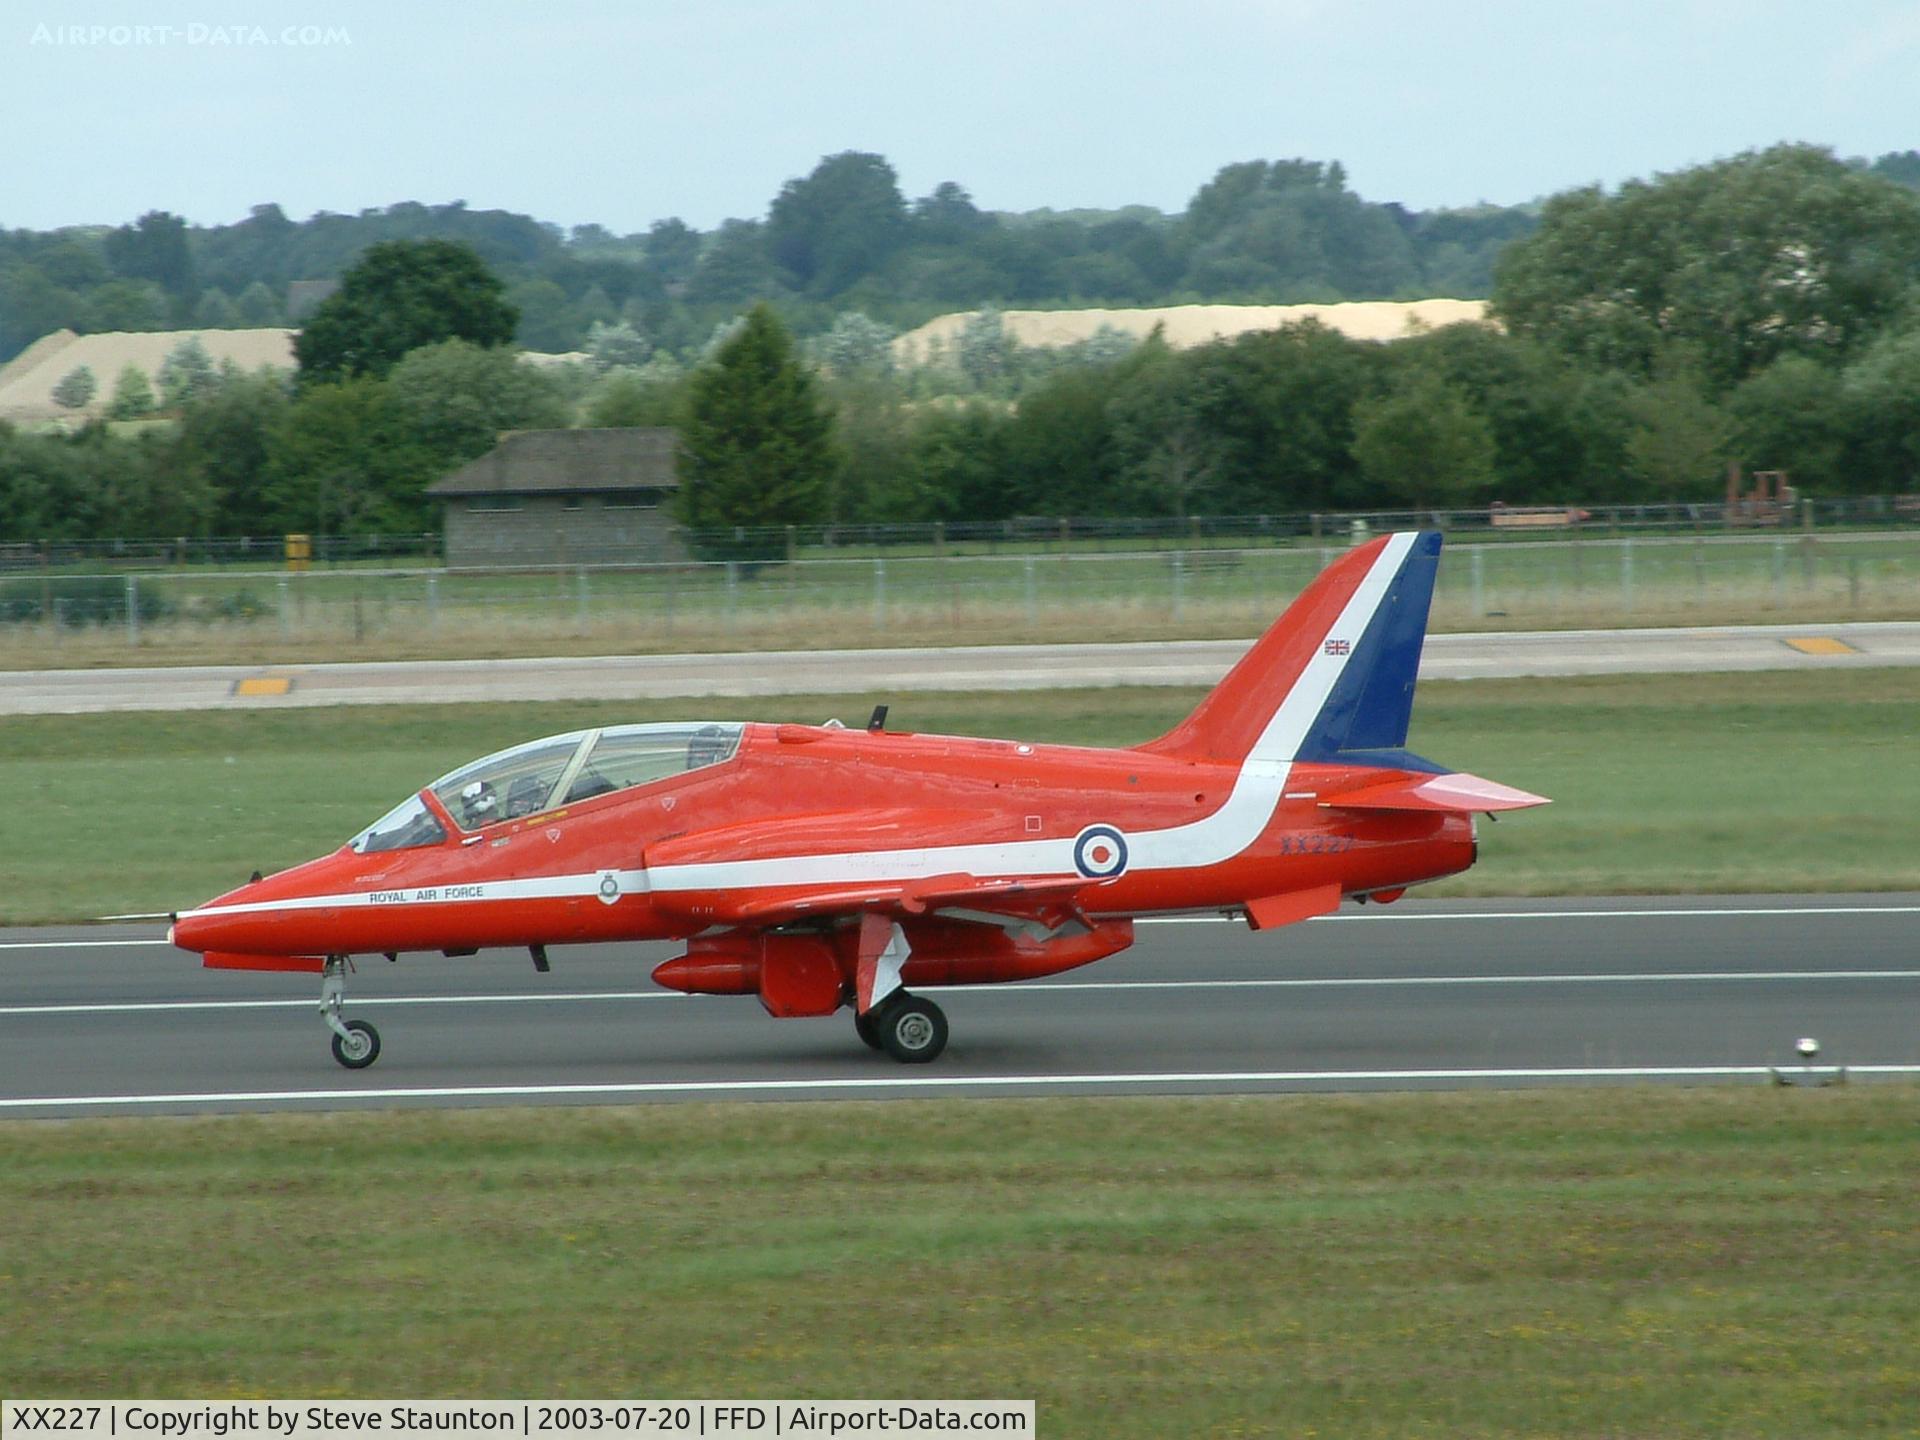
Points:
(1457, 792)
(1272, 911)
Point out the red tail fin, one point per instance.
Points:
(1334, 673)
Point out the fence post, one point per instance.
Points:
(1626, 574)
(879, 593)
(582, 577)
(1779, 570)
(133, 610)
(733, 594)
(1033, 600)
(286, 613)
(1479, 581)
(433, 601)
(1853, 581)
(1179, 587)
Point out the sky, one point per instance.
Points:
(580, 111)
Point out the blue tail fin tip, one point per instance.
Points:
(1370, 705)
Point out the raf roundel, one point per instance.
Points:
(1100, 853)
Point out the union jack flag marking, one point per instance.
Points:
(1339, 647)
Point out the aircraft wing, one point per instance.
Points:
(776, 900)
(1458, 792)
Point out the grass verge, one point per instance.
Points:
(1625, 1262)
(1782, 781)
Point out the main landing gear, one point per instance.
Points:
(356, 1044)
(910, 1028)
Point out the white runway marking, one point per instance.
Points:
(1025, 987)
(924, 1085)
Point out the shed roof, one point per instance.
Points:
(552, 462)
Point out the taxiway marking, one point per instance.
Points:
(1025, 987)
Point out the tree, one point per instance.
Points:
(124, 305)
(32, 305)
(1776, 252)
(735, 267)
(1792, 416)
(224, 447)
(155, 248)
(257, 307)
(839, 223)
(186, 374)
(985, 351)
(855, 345)
(76, 389)
(132, 395)
(547, 319)
(1680, 439)
(456, 398)
(649, 394)
(346, 461)
(1881, 394)
(1423, 445)
(673, 249)
(1166, 448)
(755, 444)
(215, 312)
(616, 345)
(401, 295)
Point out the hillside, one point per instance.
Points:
(1183, 326)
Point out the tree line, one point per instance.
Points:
(842, 237)
(1764, 309)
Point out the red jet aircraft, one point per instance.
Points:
(817, 866)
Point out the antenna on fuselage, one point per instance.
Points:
(878, 720)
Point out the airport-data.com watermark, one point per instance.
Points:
(198, 33)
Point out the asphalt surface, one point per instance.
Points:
(980, 667)
(1416, 995)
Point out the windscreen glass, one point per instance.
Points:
(407, 826)
(515, 782)
(627, 755)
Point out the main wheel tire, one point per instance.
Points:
(867, 1028)
(359, 1051)
(913, 1030)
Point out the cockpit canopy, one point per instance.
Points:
(544, 774)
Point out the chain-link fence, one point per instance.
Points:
(1020, 536)
(954, 599)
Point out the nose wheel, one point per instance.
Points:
(356, 1044)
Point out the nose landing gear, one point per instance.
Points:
(356, 1044)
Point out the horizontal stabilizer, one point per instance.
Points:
(1455, 793)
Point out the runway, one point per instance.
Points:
(1426, 994)
(881, 672)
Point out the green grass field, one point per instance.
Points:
(1785, 781)
(1669, 1262)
